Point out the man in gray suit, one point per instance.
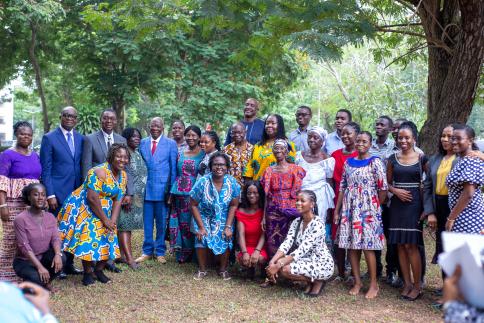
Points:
(95, 152)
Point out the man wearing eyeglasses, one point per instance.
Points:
(300, 136)
(254, 127)
(60, 156)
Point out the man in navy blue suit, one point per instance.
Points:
(159, 154)
(60, 156)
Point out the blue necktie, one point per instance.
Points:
(70, 142)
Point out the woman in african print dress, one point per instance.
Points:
(214, 199)
(281, 183)
(188, 162)
(87, 220)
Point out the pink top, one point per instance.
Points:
(35, 237)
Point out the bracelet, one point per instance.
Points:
(4, 205)
(228, 226)
(59, 254)
(451, 220)
(257, 249)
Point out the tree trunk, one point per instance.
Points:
(454, 65)
(38, 76)
(118, 106)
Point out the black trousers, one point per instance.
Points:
(27, 271)
(442, 211)
(391, 257)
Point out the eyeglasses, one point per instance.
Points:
(69, 116)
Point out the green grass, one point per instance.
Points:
(168, 293)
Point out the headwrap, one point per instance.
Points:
(320, 131)
(282, 142)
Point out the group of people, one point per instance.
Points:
(293, 207)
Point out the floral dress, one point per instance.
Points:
(311, 256)
(280, 189)
(181, 239)
(262, 158)
(133, 220)
(467, 170)
(360, 226)
(214, 208)
(82, 233)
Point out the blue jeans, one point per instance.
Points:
(154, 212)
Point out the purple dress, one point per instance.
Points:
(16, 172)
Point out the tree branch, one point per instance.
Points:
(410, 33)
(401, 25)
(411, 51)
(338, 81)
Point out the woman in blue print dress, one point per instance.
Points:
(363, 189)
(465, 181)
(214, 199)
(87, 220)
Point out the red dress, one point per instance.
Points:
(340, 160)
(252, 229)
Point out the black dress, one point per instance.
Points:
(405, 225)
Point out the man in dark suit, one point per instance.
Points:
(95, 152)
(60, 156)
(159, 154)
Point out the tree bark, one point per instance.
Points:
(453, 75)
(38, 76)
(118, 106)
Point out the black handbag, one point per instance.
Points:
(293, 246)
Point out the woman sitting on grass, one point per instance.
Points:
(39, 258)
(303, 255)
(249, 231)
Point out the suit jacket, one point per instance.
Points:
(161, 167)
(95, 152)
(61, 172)
(430, 182)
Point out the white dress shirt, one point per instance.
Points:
(65, 132)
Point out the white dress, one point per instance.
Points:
(315, 180)
(311, 256)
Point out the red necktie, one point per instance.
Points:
(153, 148)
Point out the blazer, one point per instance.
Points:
(430, 182)
(161, 167)
(95, 152)
(61, 173)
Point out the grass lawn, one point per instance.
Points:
(168, 293)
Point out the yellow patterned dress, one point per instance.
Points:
(82, 232)
(262, 158)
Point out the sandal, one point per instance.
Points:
(199, 275)
(267, 283)
(225, 275)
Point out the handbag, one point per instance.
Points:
(294, 246)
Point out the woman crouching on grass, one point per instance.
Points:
(251, 238)
(303, 255)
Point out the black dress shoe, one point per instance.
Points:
(62, 275)
(88, 279)
(113, 268)
(71, 270)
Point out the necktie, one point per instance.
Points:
(109, 142)
(70, 143)
(153, 148)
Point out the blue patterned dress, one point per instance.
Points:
(214, 209)
(360, 226)
(82, 232)
(467, 170)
